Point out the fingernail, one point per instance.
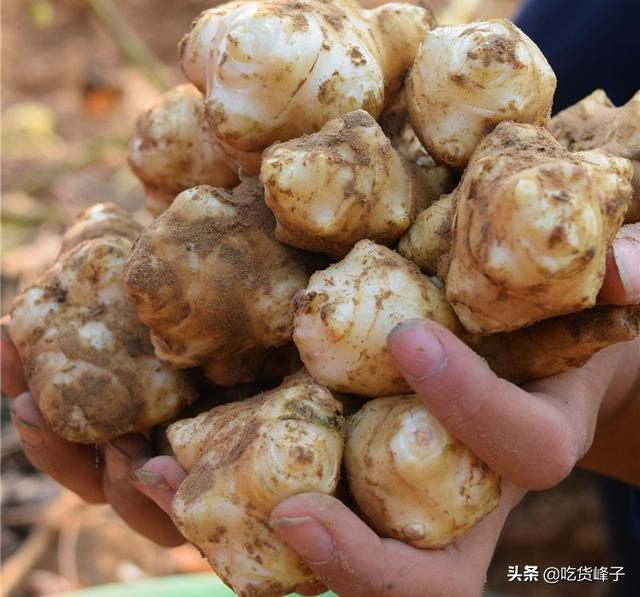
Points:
(151, 479)
(625, 254)
(307, 537)
(28, 426)
(118, 462)
(418, 352)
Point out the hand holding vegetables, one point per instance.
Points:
(527, 229)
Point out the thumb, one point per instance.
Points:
(621, 284)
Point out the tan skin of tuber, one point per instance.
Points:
(212, 283)
(565, 408)
(595, 123)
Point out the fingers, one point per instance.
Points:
(13, 382)
(354, 562)
(159, 479)
(123, 457)
(530, 440)
(76, 466)
(621, 284)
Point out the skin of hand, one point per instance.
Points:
(491, 416)
(96, 473)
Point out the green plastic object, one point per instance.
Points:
(184, 585)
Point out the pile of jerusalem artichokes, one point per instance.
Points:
(327, 173)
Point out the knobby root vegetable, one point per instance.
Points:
(243, 459)
(468, 78)
(435, 179)
(551, 346)
(87, 358)
(172, 149)
(428, 241)
(532, 226)
(343, 317)
(211, 281)
(277, 69)
(101, 219)
(361, 187)
(411, 479)
(595, 123)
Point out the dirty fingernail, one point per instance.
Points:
(307, 537)
(418, 352)
(27, 420)
(625, 254)
(151, 479)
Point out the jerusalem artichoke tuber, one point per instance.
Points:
(211, 281)
(428, 240)
(244, 458)
(343, 317)
(362, 188)
(468, 78)
(411, 479)
(595, 123)
(532, 226)
(553, 345)
(101, 219)
(277, 69)
(87, 358)
(172, 149)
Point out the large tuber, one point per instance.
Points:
(211, 281)
(243, 459)
(411, 479)
(277, 69)
(87, 358)
(468, 78)
(532, 227)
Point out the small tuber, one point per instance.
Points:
(595, 123)
(468, 78)
(172, 149)
(361, 187)
(411, 479)
(428, 242)
(244, 458)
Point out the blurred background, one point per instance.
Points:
(75, 74)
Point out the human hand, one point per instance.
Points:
(98, 474)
